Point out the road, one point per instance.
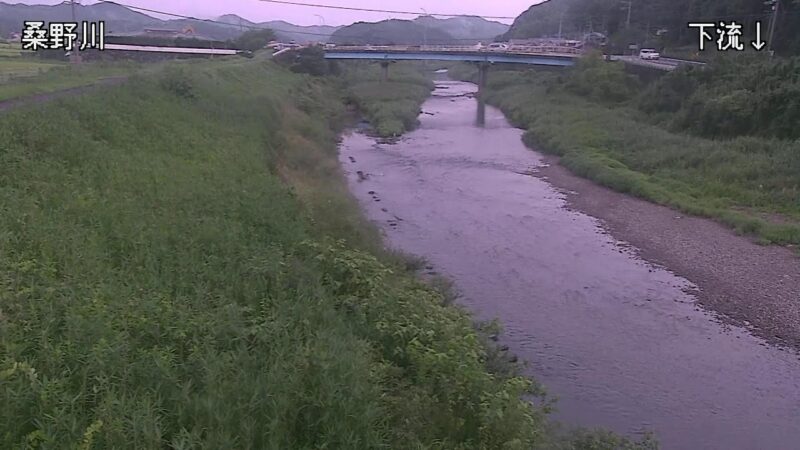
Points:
(667, 64)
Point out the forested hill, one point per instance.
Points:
(657, 23)
(465, 28)
(120, 19)
(425, 29)
(389, 32)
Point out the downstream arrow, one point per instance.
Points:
(758, 44)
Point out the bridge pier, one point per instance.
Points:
(483, 75)
(384, 70)
(481, 119)
(483, 79)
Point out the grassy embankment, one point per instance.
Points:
(392, 106)
(14, 66)
(593, 118)
(22, 77)
(181, 266)
(10, 50)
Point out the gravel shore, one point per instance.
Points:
(748, 284)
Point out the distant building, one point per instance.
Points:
(187, 32)
(164, 33)
(595, 39)
(15, 37)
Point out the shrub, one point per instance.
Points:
(601, 81)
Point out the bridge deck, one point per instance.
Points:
(549, 56)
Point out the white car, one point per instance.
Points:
(497, 47)
(649, 53)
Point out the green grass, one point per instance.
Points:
(26, 77)
(13, 68)
(392, 106)
(10, 50)
(181, 266)
(13, 65)
(749, 183)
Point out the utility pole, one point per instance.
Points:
(560, 23)
(630, 6)
(424, 29)
(74, 55)
(776, 6)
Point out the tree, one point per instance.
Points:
(667, 17)
(253, 40)
(311, 60)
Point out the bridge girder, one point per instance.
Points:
(485, 57)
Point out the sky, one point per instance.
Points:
(259, 11)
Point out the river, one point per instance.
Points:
(620, 342)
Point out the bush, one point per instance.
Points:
(735, 180)
(177, 82)
(736, 96)
(601, 81)
(253, 40)
(392, 106)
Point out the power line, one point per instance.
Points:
(311, 33)
(388, 11)
(257, 27)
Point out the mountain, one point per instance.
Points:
(389, 32)
(467, 29)
(117, 18)
(285, 31)
(423, 29)
(233, 19)
(290, 32)
(657, 23)
(120, 19)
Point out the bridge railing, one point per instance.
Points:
(538, 49)
(524, 50)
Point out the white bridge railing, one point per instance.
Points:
(516, 50)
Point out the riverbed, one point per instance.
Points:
(622, 343)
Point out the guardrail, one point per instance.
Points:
(517, 50)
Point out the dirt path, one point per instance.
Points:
(754, 286)
(7, 105)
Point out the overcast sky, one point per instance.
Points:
(259, 11)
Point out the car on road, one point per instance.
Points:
(498, 47)
(649, 54)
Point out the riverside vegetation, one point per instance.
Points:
(181, 266)
(719, 142)
(391, 106)
(28, 77)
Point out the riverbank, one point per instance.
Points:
(747, 183)
(26, 79)
(391, 106)
(617, 340)
(181, 265)
(748, 284)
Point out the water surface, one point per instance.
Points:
(617, 340)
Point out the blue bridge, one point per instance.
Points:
(541, 56)
(484, 57)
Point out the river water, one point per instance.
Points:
(618, 341)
